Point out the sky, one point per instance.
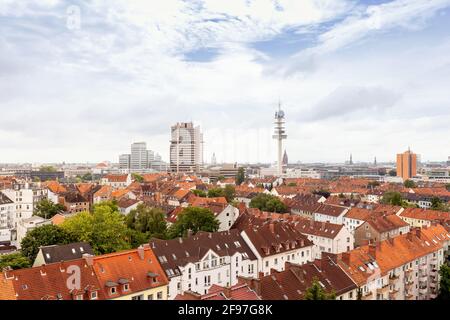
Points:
(81, 80)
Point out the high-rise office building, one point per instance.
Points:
(140, 159)
(186, 148)
(124, 161)
(139, 156)
(406, 165)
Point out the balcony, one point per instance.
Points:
(367, 296)
(423, 290)
(423, 278)
(409, 297)
(393, 280)
(408, 272)
(409, 285)
(383, 290)
(433, 285)
(423, 268)
(393, 294)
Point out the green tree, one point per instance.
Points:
(393, 198)
(199, 193)
(45, 235)
(47, 209)
(447, 186)
(267, 202)
(292, 184)
(220, 178)
(47, 169)
(373, 184)
(194, 219)
(104, 229)
(87, 177)
(229, 193)
(150, 221)
(316, 292)
(137, 177)
(14, 261)
(392, 173)
(409, 184)
(215, 192)
(444, 288)
(240, 177)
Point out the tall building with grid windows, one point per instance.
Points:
(186, 148)
(407, 165)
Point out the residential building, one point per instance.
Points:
(401, 268)
(7, 212)
(240, 291)
(198, 262)
(379, 228)
(130, 275)
(327, 237)
(26, 225)
(58, 253)
(276, 242)
(117, 181)
(295, 280)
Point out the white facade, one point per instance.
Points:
(211, 270)
(227, 217)
(186, 148)
(277, 261)
(323, 217)
(343, 242)
(26, 225)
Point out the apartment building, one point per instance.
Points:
(276, 242)
(327, 237)
(401, 268)
(198, 262)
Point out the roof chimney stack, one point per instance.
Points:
(141, 252)
(89, 259)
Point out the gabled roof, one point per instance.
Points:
(275, 237)
(116, 177)
(4, 199)
(72, 251)
(49, 282)
(138, 268)
(177, 253)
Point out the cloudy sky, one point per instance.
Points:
(81, 80)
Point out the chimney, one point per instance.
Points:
(272, 227)
(346, 258)
(261, 275)
(409, 236)
(89, 259)
(418, 233)
(373, 250)
(141, 252)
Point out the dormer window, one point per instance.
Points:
(113, 290)
(79, 297)
(94, 295)
(126, 287)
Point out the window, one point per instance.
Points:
(267, 264)
(276, 261)
(250, 269)
(150, 297)
(207, 280)
(79, 297)
(126, 287)
(159, 295)
(140, 297)
(113, 290)
(94, 295)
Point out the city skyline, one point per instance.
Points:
(83, 81)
